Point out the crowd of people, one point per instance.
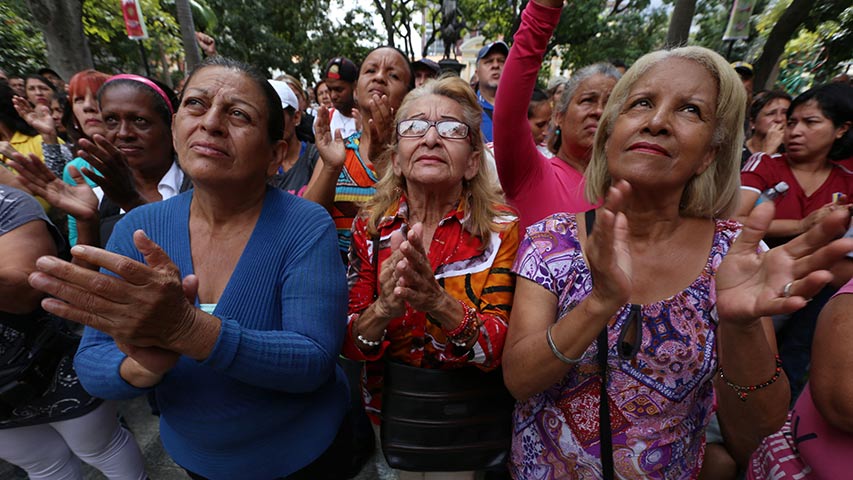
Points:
(638, 272)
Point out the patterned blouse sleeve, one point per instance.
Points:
(530, 262)
(495, 303)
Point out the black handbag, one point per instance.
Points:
(445, 420)
(32, 348)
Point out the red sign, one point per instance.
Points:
(134, 23)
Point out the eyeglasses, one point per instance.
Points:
(416, 128)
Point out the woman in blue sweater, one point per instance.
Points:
(228, 300)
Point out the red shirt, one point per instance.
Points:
(763, 171)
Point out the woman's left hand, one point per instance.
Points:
(116, 177)
(751, 284)
(417, 284)
(145, 306)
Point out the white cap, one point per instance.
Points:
(781, 187)
(288, 98)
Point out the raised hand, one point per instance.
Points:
(158, 360)
(144, 305)
(751, 284)
(116, 177)
(417, 284)
(607, 252)
(78, 201)
(380, 125)
(773, 139)
(206, 43)
(330, 144)
(39, 118)
(388, 303)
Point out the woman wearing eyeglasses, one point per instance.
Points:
(429, 273)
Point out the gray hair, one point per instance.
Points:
(582, 75)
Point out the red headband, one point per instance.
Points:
(148, 83)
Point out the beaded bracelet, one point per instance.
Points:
(556, 351)
(371, 343)
(743, 392)
(467, 328)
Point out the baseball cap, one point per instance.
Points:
(427, 64)
(487, 49)
(288, 98)
(743, 68)
(341, 68)
(43, 70)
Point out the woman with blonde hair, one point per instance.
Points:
(620, 330)
(430, 285)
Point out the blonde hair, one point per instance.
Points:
(479, 192)
(714, 192)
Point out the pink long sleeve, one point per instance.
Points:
(535, 185)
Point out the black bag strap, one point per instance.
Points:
(603, 403)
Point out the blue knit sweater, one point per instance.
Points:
(270, 398)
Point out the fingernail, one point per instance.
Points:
(45, 262)
(78, 250)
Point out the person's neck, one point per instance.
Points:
(226, 208)
(575, 158)
(818, 163)
(428, 204)
(755, 143)
(652, 217)
(489, 94)
(294, 146)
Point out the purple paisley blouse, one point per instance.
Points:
(660, 401)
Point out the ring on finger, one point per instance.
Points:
(786, 290)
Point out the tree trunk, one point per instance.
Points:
(785, 28)
(61, 23)
(386, 10)
(679, 23)
(185, 20)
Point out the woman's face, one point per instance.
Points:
(221, 130)
(539, 121)
(432, 160)
(135, 127)
(87, 114)
(772, 114)
(580, 120)
(664, 131)
(323, 97)
(38, 93)
(56, 113)
(809, 134)
(383, 72)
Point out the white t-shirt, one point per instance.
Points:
(341, 121)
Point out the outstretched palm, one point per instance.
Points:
(78, 201)
(751, 284)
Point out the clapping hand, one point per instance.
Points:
(78, 201)
(380, 125)
(416, 282)
(116, 177)
(751, 284)
(39, 118)
(607, 251)
(330, 144)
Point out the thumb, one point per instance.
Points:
(754, 227)
(154, 255)
(396, 240)
(190, 286)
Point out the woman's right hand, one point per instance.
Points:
(773, 139)
(607, 251)
(818, 215)
(388, 304)
(78, 201)
(330, 144)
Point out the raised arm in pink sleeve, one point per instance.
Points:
(535, 185)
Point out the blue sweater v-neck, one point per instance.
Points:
(270, 398)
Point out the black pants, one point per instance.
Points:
(333, 464)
